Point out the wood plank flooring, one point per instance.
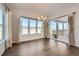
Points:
(41, 47)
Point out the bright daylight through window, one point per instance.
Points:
(30, 26)
(1, 23)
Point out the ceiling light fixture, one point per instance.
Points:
(42, 18)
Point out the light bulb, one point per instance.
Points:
(41, 17)
(38, 18)
(45, 18)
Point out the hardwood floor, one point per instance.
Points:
(42, 48)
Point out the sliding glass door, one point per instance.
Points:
(66, 32)
(59, 29)
(63, 29)
(53, 28)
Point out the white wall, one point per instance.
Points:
(30, 37)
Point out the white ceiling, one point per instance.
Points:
(46, 9)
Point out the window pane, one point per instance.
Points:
(60, 26)
(32, 26)
(0, 32)
(39, 23)
(1, 16)
(24, 21)
(53, 25)
(24, 25)
(66, 29)
(39, 27)
(39, 30)
(66, 26)
(24, 30)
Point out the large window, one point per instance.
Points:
(39, 26)
(60, 29)
(1, 24)
(53, 27)
(24, 25)
(60, 26)
(32, 26)
(66, 26)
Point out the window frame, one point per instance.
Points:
(36, 27)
